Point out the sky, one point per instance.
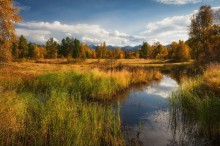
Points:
(117, 22)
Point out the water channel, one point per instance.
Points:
(144, 113)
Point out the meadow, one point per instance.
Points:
(54, 102)
(63, 104)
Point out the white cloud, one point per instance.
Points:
(68, 34)
(168, 29)
(34, 35)
(119, 34)
(91, 40)
(92, 34)
(171, 29)
(179, 2)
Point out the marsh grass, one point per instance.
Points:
(196, 106)
(61, 120)
(94, 84)
(58, 108)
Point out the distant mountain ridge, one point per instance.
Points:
(110, 47)
(133, 48)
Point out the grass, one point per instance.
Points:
(27, 68)
(196, 106)
(93, 84)
(60, 120)
(48, 106)
(212, 78)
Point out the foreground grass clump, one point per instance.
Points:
(26, 119)
(196, 106)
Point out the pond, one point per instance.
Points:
(145, 113)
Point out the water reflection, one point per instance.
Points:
(182, 72)
(163, 88)
(144, 113)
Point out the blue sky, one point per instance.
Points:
(118, 22)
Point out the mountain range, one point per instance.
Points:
(110, 47)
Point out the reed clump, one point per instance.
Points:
(26, 119)
(198, 101)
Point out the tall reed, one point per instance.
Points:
(196, 106)
(60, 120)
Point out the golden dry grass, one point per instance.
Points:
(13, 75)
(212, 77)
(125, 77)
(30, 68)
(27, 68)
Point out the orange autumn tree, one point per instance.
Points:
(181, 51)
(200, 34)
(9, 15)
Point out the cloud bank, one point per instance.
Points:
(166, 31)
(91, 34)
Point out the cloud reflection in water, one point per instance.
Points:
(149, 107)
(163, 88)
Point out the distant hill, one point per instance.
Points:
(135, 48)
(110, 47)
(168, 46)
(92, 46)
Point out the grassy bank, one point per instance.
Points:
(93, 84)
(196, 106)
(58, 108)
(27, 119)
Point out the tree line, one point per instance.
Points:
(73, 48)
(203, 44)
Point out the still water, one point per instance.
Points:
(145, 113)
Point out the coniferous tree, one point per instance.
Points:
(52, 48)
(31, 48)
(76, 48)
(23, 47)
(66, 47)
(144, 50)
(15, 51)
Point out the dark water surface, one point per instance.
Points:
(145, 114)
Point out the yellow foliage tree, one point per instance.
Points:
(8, 16)
(181, 51)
